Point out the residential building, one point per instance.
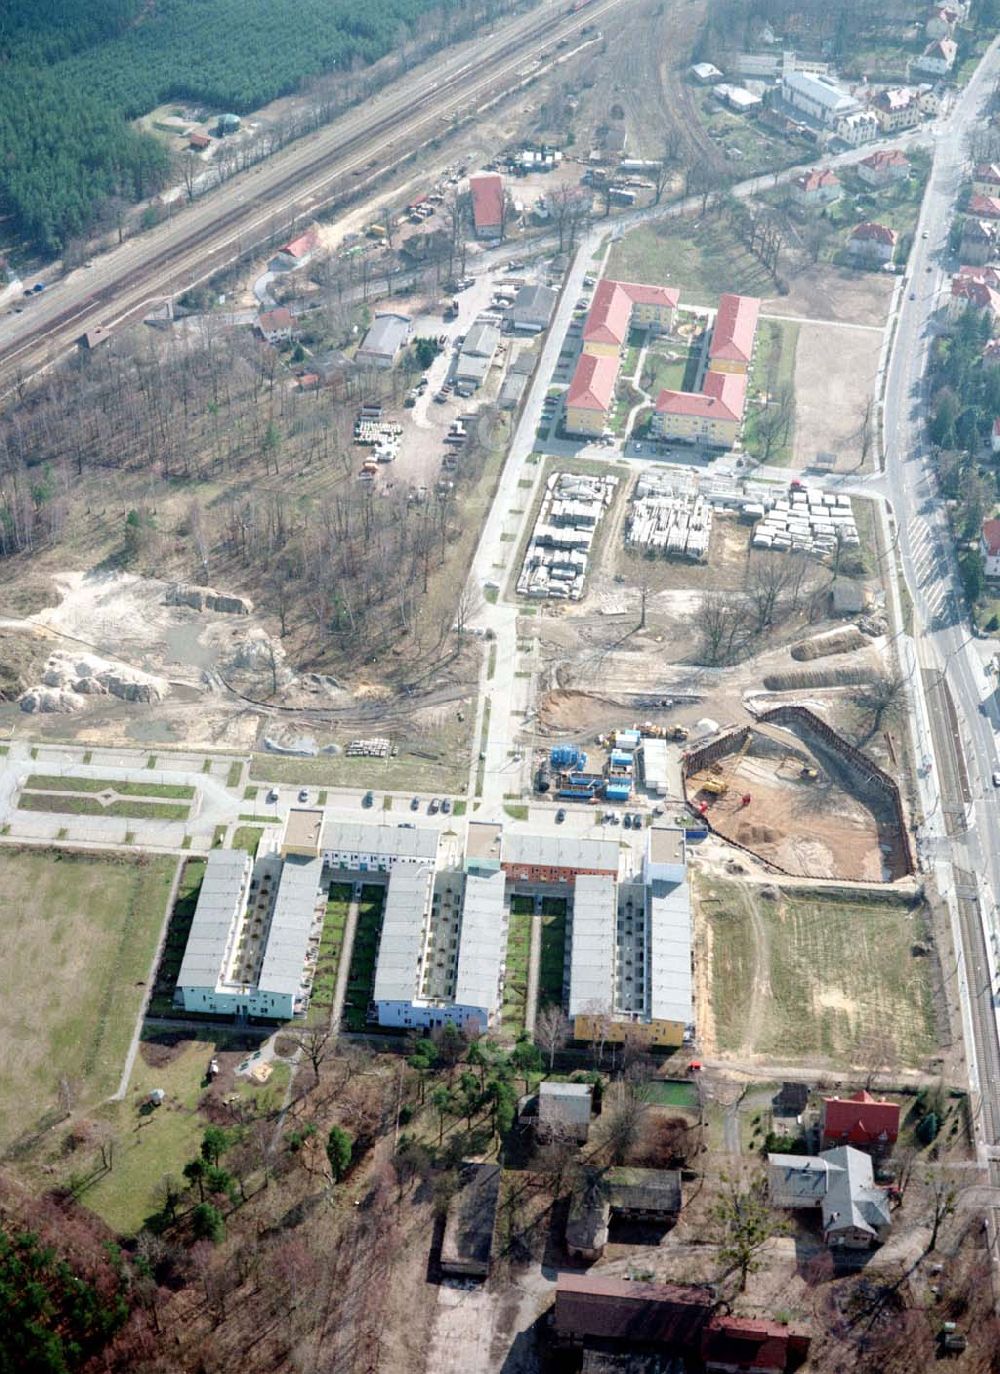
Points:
(303, 833)
(739, 1345)
(860, 127)
(990, 547)
(252, 942)
(712, 416)
(737, 98)
(532, 309)
(980, 241)
(564, 1111)
(873, 244)
(591, 393)
(276, 326)
(841, 1184)
(705, 73)
(986, 179)
(942, 22)
(863, 1121)
(478, 351)
(298, 251)
(619, 306)
(984, 207)
(897, 107)
(649, 1195)
(386, 336)
(467, 1247)
(938, 57)
(883, 168)
(527, 858)
(592, 948)
(374, 847)
(968, 294)
(818, 97)
(734, 333)
(816, 188)
(488, 205)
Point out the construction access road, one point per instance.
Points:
(253, 209)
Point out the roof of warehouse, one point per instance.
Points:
(407, 900)
(391, 841)
(671, 993)
(226, 873)
(592, 948)
(487, 200)
(291, 925)
(533, 302)
(387, 334)
(482, 942)
(559, 851)
(482, 339)
(822, 91)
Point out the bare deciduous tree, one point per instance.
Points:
(552, 1031)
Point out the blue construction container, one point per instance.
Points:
(567, 756)
(620, 759)
(576, 793)
(618, 791)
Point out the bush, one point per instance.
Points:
(207, 1223)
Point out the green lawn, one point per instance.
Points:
(78, 934)
(409, 770)
(47, 782)
(131, 809)
(361, 977)
(833, 975)
(550, 973)
(247, 837)
(515, 990)
(161, 1002)
(702, 261)
(330, 946)
(772, 370)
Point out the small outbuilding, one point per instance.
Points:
(385, 339)
(467, 1248)
(564, 1110)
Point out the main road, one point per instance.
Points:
(347, 156)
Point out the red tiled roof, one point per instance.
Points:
(991, 537)
(649, 1313)
(869, 232)
(280, 318)
(302, 246)
(735, 328)
(984, 207)
(611, 309)
(816, 180)
(987, 171)
(945, 48)
(757, 1345)
(989, 276)
(593, 384)
(859, 1120)
(199, 141)
(722, 398)
(487, 200)
(884, 159)
(977, 293)
(898, 98)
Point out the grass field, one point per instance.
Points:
(803, 977)
(550, 972)
(330, 945)
(661, 1092)
(515, 991)
(131, 808)
(78, 934)
(50, 782)
(773, 368)
(407, 771)
(161, 1002)
(701, 258)
(247, 837)
(361, 978)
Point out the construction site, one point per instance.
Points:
(795, 794)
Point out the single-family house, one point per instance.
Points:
(818, 97)
(564, 1111)
(532, 309)
(712, 416)
(840, 1183)
(866, 1122)
(969, 294)
(734, 333)
(860, 127)
(897, 107)
(386, 336)
(980, 239)
(942, 22)
(591, 393)
(872, 243)
(276, 326)
(298, 251)
(648, 1195)
(816, 188)
(883, 168)
(986, 179)
(938, 57)
(705, 73)
(989, 546)
(488, 205)
(984, 207)
(467, 1247)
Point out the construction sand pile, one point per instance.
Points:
(69, 679)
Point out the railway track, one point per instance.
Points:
(340, 164)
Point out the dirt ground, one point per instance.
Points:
(818, 291)
(835, 371)
(817, 829)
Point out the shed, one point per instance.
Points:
(847, 597)
(468, 1233)
(564, 1110)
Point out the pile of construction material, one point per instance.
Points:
(813, 522)
(381, 435)
(369, 748)
(555, 564)
(671, 520)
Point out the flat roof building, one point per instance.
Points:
(556, 858)
(388, 334)
(564, 1110)
(303, 832)
(592, 947)
(374, 847)
(671, 984)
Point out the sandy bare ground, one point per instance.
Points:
(835, 373)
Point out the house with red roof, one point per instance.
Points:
(297, 251)
(276, 326)
(866, 1122)
(979, 240)
(488, 205)
(872, 243)
(816, 188)
(712, 416)
(897, 107)
(938, 57)
(986, 179)
(730, 1345)
(968, 294)
(988, 275)
(199, 142)
(734, 333)
(984, 207)
(989, 547)
(591, 393)
(619, 306)
(884, 167)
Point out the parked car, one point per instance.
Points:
(368, 799)
(627, 821)
(415, 804)
(303, 794)
(446, 805)
(996, 777)
(272, 795)
(560, 816)
(433, 806)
